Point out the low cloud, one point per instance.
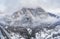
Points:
(47, 5)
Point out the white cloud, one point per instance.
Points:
(2, 8)
(48, 5)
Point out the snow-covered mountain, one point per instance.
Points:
(27, 17)
(32, 23)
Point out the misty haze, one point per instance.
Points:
(29, 19)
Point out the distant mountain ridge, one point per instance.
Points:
(34, 11)
(30, 17)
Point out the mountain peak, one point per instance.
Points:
(33, 9)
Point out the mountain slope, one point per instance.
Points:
(32, 23)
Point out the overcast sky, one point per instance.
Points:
(13, 5)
